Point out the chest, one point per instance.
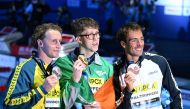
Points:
(147, 85)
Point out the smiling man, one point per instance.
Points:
(32, 85)
(142, 89)
(78, 87)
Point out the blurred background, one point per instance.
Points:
(166, 22)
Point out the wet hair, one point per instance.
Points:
(79, 25)
(123, 32)
(40, 30)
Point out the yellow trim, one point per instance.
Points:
(23, 99)
(14, 80)
(40, 91)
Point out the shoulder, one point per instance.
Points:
(104, 61)
(64, 62)
(66, 58)
(25, 67)
(158, 59)
(154, 57)
(28, 63)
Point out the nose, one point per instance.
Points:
(140, 42)
(59, 44)
(96, 36)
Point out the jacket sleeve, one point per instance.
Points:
(20, 94)
(170, 84)
(69, 88)
(127, 100)
(126, 103)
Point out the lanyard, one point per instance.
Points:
(41, 65)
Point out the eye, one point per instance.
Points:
(142, 39)
(133, 40)
(55, 41)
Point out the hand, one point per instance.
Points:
(50, 82)
(78, 67)
(94, 105)
(129, 79)
(134, 68)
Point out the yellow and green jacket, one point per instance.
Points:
(25, 89)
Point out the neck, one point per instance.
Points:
(44, 57)
(87, 53)
(132, 58)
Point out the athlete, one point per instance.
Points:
(33, 85)
(141, 84)
(77, 89)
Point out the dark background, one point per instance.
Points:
(161, 30)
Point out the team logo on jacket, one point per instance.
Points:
(100, 73)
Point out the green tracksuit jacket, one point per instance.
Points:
(98, 72)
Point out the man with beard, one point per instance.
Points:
(142, 75)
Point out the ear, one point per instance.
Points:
(40, 43)
(123, 44)
(78, 39)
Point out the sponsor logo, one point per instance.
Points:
(146, 87)
(52, 102)
(96, 82)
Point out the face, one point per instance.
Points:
(134, 43)
(89, 39)
(51, 44)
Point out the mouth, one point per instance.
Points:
(139, 49)
(95, 44)
(57, 51)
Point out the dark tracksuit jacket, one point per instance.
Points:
(154, 75)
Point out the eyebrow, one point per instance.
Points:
(136, 38)
(90, 32)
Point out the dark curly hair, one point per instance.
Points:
(123, 32)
